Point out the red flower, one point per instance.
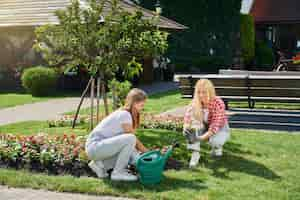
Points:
(33, 141)
(76, 151)
(73, 136)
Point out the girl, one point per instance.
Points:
(113, 144)
(206, 120)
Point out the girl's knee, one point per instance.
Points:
(130, 139)
(215, 143)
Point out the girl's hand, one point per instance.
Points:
(140, 147)
(205, 136)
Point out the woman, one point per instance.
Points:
(206, 120)
(112, 143)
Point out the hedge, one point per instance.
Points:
(212, 24)
(247, 38)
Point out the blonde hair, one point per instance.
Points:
(209, 88)
(135, 95)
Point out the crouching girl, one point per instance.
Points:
(205, 120)
(113, 144)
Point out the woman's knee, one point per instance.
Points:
(130, 139)
(216, 142)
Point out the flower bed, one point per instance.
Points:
(42, 153)
(67, 120)
(149, 121)
(167, 122)
(63, 154)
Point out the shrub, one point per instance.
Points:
(121, 90)
(247, 38)
(264, 55)
(209, 64)
(39, 81)
(181, 68)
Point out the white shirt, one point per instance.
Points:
(110, 126)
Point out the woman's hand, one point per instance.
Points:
(206, 136)
(140, 147)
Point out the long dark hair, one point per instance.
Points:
(135, 95)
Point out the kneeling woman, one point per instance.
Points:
(112, 143)
(206, 120)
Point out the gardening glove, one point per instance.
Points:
(190, 135)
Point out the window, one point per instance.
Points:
(298, 44)
(271, 34)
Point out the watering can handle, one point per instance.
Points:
(139, 160)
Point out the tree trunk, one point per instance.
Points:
(98, 97)
(105, 99)
(92, 103)
(114, 99)
(81, 101)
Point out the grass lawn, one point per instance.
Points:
(13, 99)
(262, 105)
(256, 165)
(164, 101)
(34, 127)
(156, 103)
(10, 99)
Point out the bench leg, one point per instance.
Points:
(251, 104)
(226, 104)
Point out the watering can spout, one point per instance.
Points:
(169, 151)
(166, 155)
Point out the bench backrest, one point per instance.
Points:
(254, 86)
(262, 73)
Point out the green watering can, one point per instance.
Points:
(150, 165)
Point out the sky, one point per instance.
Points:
(246, 5)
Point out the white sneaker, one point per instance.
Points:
(194, 159)
(98, 168)
(218, 152)
(123, 176)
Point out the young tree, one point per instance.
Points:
(101, 37)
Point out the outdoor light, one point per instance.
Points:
(211, 51)
(101, 20)
(158, 8)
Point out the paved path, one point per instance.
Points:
(264, 119)
(52, 109)
(30, 194)
(40, 111)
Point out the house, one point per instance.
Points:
(277, 22)
(19, 18)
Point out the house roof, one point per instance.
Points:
(276, 11)
(40, 12)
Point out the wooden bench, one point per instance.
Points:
(251, 88)
(262, 73)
